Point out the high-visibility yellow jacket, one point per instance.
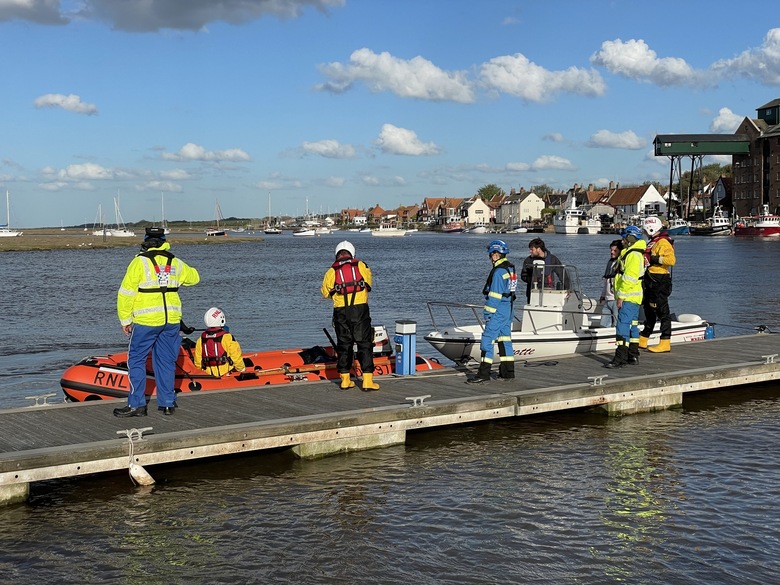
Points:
(339, 299)
(631, 268)
(148, 293)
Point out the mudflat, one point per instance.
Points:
(55, 239)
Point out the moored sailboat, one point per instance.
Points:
(5, 230)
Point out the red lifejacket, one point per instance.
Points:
(212, 353)
(348, 277)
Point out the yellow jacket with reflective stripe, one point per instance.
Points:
(153, 308)
(631, 268)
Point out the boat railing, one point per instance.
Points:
(457, 314)
(556, 277)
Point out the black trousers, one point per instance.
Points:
(353, 327)
(657, 288)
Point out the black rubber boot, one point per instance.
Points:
(483, 374)
(506, 370)
(620, 359)
(633, 354)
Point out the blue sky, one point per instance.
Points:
(326, 104)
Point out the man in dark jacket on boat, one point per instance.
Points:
(554, 274)
(347, 283)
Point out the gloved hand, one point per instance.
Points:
(654, 259)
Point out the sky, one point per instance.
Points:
(320, 105)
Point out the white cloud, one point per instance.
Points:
(166, 186)
(625, 140)
(176, 175)
(548, 162)
(37, 11)
(194, 152)
(761, 64)
(329, 149)
(517, 76)
(517, 167)
(71, 103)
(335, 181)
(726, 122)
(553, 137)
(86, 172)
(634, 59)
(394, 140)
(416, 78)
(370, 180)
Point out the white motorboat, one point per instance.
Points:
(388, 230)
(554, 323)
(575, 220)
(305, 232)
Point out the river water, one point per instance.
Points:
(683, 496)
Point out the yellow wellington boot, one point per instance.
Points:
(662, 347)
(346, 383)
(368, 383)
(643, 342)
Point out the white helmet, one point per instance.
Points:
(345, 245)
(652, 225)
(214, 317)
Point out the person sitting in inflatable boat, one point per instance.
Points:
(217, 351)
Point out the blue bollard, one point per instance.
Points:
(405, 347)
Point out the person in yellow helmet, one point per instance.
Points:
(149, 310)
(347, 283)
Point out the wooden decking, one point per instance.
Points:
(315, 418)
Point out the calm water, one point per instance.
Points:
(686, 496)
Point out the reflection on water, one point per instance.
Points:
(682, 496)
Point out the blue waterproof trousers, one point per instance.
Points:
(164, 343)
(498, 329)
(628, 323)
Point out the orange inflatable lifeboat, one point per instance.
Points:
(105, 377)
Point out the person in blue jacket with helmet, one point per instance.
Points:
(499, 294)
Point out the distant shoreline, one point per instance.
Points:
(53, 239)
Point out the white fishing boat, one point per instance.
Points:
(216, 230)
(554, 323)
(575, 220)
(717, 224)
(477, 229)
(321, 231)
(5, 230)
(388, 230)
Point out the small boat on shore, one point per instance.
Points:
(762, 225)
(105, 377)
(5, 230)
(453, 227)
(556, 322)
